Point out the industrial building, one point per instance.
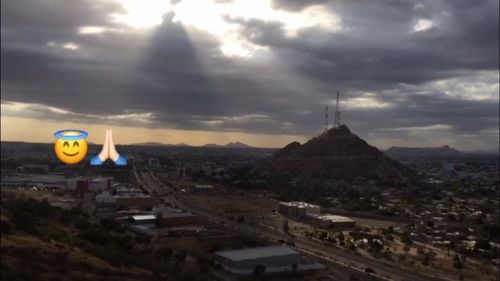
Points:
(83, 184)
(331, 221)
(142, 224)
(181, 172)
(203, 187)
(139, 201)
(270, 259)
(143, 219)
(153, 162)
(34, 181)
(34, 168)
(298, 209)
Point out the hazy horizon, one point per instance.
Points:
(96, 139)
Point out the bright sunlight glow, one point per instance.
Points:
(219, 19)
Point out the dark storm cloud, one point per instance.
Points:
(378, 47)
(178, 78)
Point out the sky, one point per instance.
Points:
(410, 73)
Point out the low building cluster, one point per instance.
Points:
(311, 213)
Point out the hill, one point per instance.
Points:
(149, 144)
(236, 144)
(42, 242)
(442, 151)
(336, 142)
(181, 144)
(335, 156)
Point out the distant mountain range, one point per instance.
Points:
(41, 147)
(150, 144)
(236, 144)
(158, 144)
(442, 151)
(229, 145)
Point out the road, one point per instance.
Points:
(327, 253)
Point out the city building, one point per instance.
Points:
(181, 172)
(139, 201)
(34, 168)
(143, 219)
(33, 181)
(203, 187)
(84, 184)
(298, 209)
(153, 162)
(331, 221)
(268, 259)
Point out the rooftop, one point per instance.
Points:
(259, 252)
(299, 204)
(143, 217)
(332, 218)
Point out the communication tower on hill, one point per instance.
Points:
(326, 118)
(336, 120)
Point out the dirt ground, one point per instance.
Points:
(234, 204)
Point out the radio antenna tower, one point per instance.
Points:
(326, 118)
(336, 120)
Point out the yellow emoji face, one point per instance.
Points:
(71, 147)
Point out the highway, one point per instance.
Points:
(337, 255)
(327, 253)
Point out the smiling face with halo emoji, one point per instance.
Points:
(71, 146)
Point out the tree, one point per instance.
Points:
(483, 244)
(353, 277)
(285, 226)
(458, 265)
(180, 256)
(259, 270)
(406, 249)
(401, 258)
(420, 251)
(388, 255)
(95, 234)
(450, 247)
(341, 236)
(406, 238)
(163, 252)
(426, 259)
(5, 227)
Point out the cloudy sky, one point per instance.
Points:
(412, 73)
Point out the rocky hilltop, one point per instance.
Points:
(336, 142)
(337, 155)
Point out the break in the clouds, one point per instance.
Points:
(408, 71)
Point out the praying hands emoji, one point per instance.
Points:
(108, 152)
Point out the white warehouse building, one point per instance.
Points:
(298, 209)
(273, 259)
